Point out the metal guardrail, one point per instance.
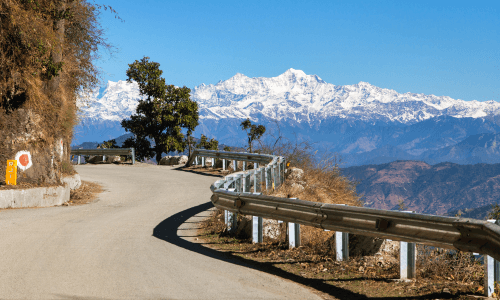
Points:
(233, 193)
(104, 152)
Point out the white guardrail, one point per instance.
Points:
(240, 192)
(104, 152)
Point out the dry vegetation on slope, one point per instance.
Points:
(48, 48)
(369, 273)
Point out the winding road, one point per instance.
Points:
(137, 241)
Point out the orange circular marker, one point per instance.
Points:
(23, 160)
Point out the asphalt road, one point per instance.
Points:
(138, 241)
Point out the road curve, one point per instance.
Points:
(136, 242)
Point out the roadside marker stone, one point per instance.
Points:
(11, 176)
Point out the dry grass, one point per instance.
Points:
(441, 273)
(86, 193)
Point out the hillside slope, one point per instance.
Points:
(438, 189)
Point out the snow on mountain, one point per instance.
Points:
(115, 102)
(296, 96)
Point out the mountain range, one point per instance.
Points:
(443, 189)
(363, 123)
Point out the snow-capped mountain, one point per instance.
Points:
(349, 119)
(296, 96)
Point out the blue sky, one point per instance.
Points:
(449, 48)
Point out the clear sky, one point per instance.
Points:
(449, 48)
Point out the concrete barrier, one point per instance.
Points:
(40, 196)
(35, 197)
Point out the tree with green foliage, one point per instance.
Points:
(163, 113)
(254, 132)
(142, 148)
(213, 144)
(108, 144)
(494, 212)
(227, 148)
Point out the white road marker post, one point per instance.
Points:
(491, 271)
(407, 258)
(341, 245)
(257, 229)
(293, 235)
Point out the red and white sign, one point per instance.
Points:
(61, 149)
(23, 160)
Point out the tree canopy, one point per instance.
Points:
(164, 112)
(213, 144)
(254, 132)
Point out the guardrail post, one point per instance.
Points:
(243, 165)
(79, 158)
(203, 161)
(268, 178)
(104, 158)
(341, 245)
(491, 271)
(248, 178)
(283, 171)
(255, 185)
(293, 235)
(278, 174)
(133, 155)
(235, 165)
(257, 229)
(196, 160)
(262, 178)
(231, 220)
(407, 259)
(223, 164)
(213, 163)
(273, 176)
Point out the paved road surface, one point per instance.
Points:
(136, 242)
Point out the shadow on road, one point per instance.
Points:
(184, 169)
(167, 231)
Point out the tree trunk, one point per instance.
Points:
(158, 156)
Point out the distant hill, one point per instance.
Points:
(441, 189)
(478, 148)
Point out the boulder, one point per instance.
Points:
(297, 187)
(94, 159)
(294, 174)
(183, 160)
(173, 160)
(270, 228)
(165, 161)
(113, 159)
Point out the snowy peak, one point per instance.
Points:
(296, 97)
